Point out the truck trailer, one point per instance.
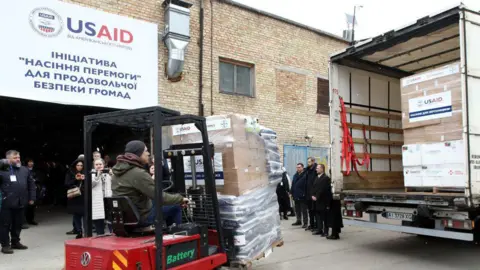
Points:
(365, 101)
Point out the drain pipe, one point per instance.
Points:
(176, 35)
(200, 64)
(211, 57)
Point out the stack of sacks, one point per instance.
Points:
(254, 220)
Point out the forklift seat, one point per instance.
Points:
(123, 215)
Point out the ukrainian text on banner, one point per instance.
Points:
(68, 54)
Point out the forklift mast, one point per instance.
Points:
(203, 207)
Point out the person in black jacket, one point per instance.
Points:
(18, 190)
(311, 175)
(322, 196)
(74, 179)
(298, 195)
(30, 209)
(283, 189)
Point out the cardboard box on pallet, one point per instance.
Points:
(242, 150)
(432, 105)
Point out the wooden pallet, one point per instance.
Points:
(248, 265)
(435, 189)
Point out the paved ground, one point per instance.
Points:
(358, 249)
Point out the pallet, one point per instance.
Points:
(248, 265)
(435, 189)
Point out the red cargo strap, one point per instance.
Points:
(348, 147)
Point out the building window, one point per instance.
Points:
(236, 78)
(322, 96)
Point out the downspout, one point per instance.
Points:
(200, 64)
(176, 36)
(211, 57)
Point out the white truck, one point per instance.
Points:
(367, 77)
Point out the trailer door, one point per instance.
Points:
(470, 59)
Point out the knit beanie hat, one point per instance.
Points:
(135, 147)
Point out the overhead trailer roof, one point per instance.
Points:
(429, 42)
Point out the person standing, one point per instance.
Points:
(74, 183)
(298, 194)
(283, 189)
(18, 191)
(322, 196)
(96, 155)
(311, 175)
(101, 188)
(335, 219)
(30, 209)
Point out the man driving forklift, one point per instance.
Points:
(130, 179)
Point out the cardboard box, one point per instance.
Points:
(432, 105)
(242, 151)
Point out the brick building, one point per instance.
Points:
(279, 67)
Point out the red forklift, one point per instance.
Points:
(198, 243)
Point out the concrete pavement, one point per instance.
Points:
(359, 248)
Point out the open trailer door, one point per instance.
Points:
(470, 60)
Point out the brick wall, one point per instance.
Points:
(287, 61)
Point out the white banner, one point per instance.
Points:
(68, 54)
(430, 107)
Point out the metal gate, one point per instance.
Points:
(293, 154)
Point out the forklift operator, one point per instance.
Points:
(130, 179)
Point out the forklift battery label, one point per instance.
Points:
(179, 254)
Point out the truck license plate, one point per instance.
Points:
(399, 216)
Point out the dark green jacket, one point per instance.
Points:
(135, 183)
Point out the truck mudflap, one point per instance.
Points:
(464, 236)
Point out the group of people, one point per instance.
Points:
(132, 176)
(101, 188)
(315, 208)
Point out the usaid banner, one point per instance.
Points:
(64, 53)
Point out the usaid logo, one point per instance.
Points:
(46, 22)
(429, 101)
(433, 100)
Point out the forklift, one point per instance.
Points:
(199, 243)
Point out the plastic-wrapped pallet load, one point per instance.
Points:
(254, 220)
(251, 169)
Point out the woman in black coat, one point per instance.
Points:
(335, 219)
(283, 189)
(74, 178)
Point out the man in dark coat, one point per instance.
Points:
(298, 194)
(283, 189)
(311, 175)
(322, 196)
(18, 190)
